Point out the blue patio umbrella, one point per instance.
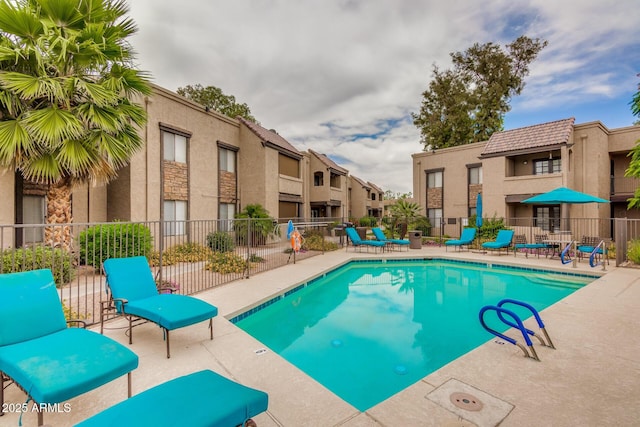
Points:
(479, 210)
(563, 195)
(290, 229)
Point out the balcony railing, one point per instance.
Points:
(624, 185)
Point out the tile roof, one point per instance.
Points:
(361, 182)
(271, 137)
(329, 163)
(375, 187)
(528, 138)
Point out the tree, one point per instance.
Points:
(404, 212)
(467, 103)
(634, 165)
(66, 89)
(393, 195)
(213, 98)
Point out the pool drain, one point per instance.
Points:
(466, 401)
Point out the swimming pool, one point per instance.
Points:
(369, 329)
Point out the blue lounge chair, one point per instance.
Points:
(357, 241)
(379, 235)
(135, 295)
(503, 241)
(48, 360)
(201, 399)
(468, 234)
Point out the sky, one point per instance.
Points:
(342, 77)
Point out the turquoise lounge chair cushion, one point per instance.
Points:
(381, 237)
(131, 279)
(65, 364)
(29, 306)
(171, 311)
(356, 240)
(201, 399)
(503, 240)
(468, 234)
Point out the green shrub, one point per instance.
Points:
(219, 241)
(368, 221)
(490, 228)
(226, 262)
(633, 251)
(59, 261)
(317, 243)
(116, 240)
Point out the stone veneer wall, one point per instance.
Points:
(474, 189)
(434, 198)
(228, 192)
(176, 181)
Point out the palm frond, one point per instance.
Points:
(52, 125)
(19, 22)
(76, 157)
(96, 93)
(30, 87)
(105, 118)
(62, 13)
(134, 112)
(43, 169)
(14, 141)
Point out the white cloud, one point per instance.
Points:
(325, 72)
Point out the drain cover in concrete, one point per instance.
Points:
(470, 403)
(466, 401)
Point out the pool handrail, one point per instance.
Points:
(532, 352)
(597, 251)
(548, 342)
(565, 254)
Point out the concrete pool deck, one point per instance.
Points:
(591, 379)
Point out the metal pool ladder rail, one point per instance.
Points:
(517, 323)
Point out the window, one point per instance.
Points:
(475, 175)
(472, 211)
(227, 213)
(373, 196)
(546, 166)
(175, 213)
(288, 166)
(227, 160)
(547, 217)
(318, 179)
(33, 212)
(175, 147)
(435, 216)
(434, 179)
(334, 180)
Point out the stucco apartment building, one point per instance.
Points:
(196, 164)
(366, 198)
(516, 164)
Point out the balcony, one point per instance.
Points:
(624, 185)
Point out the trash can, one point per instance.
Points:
(415, 239)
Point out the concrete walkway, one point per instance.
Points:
(591, 379)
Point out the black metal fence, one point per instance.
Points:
(616, 232)
(190, 255)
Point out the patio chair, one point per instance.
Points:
(357, 241)
(134, 294)
(587, 245)
(520, 243)
(379, 235)
(41, 354)
(201, 399)
(503, 241)
(466, 238)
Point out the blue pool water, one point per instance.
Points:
(369, 329)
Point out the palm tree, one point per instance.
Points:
(67, 85)
(404, 212)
